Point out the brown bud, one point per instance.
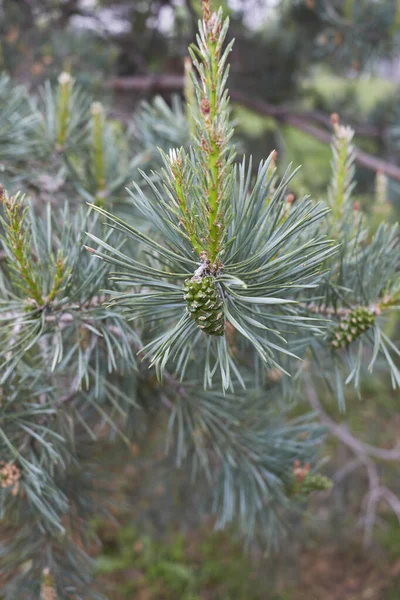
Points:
(274, 375)
(204, 145)
(335, 120)
(300, 472)
(205, 4)
(205, 106)
(135, 449)
(290, 198)
(339, 39)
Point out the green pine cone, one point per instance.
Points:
(315, 482)
(205, 304)
(354, 324)
(312, 482)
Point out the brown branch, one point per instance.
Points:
(63, 319)
(364, 455)
(341, 311)
(362, 158)
(343, 434)
(174, 83)
(149, 84)
(298, 117)
(302, 120)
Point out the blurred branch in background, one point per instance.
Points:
(302, 120)
(365, 456)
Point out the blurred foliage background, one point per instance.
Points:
(294, 63)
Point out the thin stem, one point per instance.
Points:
(64, 93)
(98, 151)
(214, 162)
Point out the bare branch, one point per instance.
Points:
(364, 455)
(344, 435)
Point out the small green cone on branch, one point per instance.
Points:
(304, 483)
(315, 482)
(354, 324)
(205, 304)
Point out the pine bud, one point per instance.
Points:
(64, 78)
(205, 304)
(96, 108)
(354, 324)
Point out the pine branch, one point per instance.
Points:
(330, 311)
(362, 285)
(213, 128)
(200, 200)
(217, 272)
(63, 323)
(17, 241)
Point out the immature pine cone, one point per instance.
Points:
(205, 304)
(304, 482)
(354, 324)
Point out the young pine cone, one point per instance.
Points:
(205, 304)
(354, 324)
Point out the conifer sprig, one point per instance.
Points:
(61, 123)
(63, 116)
(38, 289)
(225, 278)
(262, 277)
(214, 130)
(215, 225)
(362, 285)
(18, 242)
(343, 170)
(54, 300)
